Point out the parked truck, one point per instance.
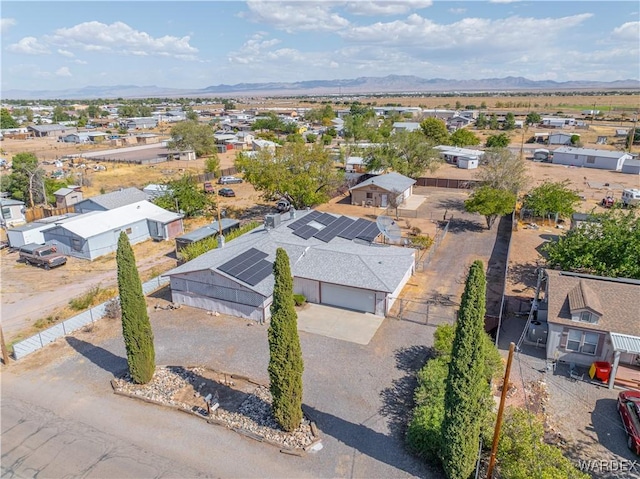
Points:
(45, 256)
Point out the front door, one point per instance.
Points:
(383, 200)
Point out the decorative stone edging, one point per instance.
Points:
(250, 420)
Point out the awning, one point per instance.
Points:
(625, 343)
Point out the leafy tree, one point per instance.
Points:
(509, 122)
(93, 111)
(497, 141)
(27, 180)
(467, 392)
(407, 153)
(311, 137)
(463, 137)
(136, 328)
(212, 163)
(493, 122)
(322, 115)
(295, 138)
(481, 121)
(424, 434)
(533, 118)
(575, 140)
(302, 173)
(6, 120)
(285, 355)
(185, 196)
(522, 450)
(483, 105)
(191, 115)
(552, 198)
(608, 246)
(192, 135)
(435, 130)
(359, 125)
(60, 115)
(490, 203)
(503, 170)
(228, 104)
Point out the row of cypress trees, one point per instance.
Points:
(285, 364)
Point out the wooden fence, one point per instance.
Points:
(39, 212)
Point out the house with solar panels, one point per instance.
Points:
(335, 260)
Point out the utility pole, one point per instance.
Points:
(503, 397)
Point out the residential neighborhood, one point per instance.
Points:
(320, 240)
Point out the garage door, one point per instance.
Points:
(349, 298)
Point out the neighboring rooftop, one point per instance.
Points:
(118, 198)
(390, 182)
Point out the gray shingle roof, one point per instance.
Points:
(618, 299)
(389, 182)
(340, 261)
(119, 198)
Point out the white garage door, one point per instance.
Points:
(350, 298)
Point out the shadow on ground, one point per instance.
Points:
(397, 399)
(459, 225)
(102, 358)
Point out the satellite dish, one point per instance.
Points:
(389, 228)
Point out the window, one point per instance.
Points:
(128, 231)
(591, 159)
(75, 244)
(369, 196)
(6, 212)
(582, 341)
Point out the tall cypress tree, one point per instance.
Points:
(136, 328)
(466, 385)
(285, 364)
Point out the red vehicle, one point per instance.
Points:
(629, 409)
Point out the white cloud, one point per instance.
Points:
(63, 72)
(65, 53)
(629, 31)
(80, 62)
(6, 24)
(398, 7)
(457, 11)
(120, 38)
(253, 50)
(295, 16)
(29, 46)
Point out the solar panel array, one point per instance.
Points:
(333, 229)
(306, 231)
(341, 226)
(305, 219)
(250, 267)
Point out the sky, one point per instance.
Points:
(64, 45)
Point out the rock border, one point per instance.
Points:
(316, 443)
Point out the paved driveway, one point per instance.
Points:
(343, 324)
(359, 395)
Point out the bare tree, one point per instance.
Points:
(503, 170)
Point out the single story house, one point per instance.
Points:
(451, 154)
(66, 197)
(75, 138)
(560, 138)
(457, 121)
(334, 261)
(354, 164)
(406, 126)
(52, 130)
(140, 123)
(382, 189)
(631, 166)
(556, 122)
(591, 318)
(32, 232)
(12, 212)
(109, 201)
(95, 234)
(590, 158)
(258, 145)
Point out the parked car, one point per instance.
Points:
(229, 180)
(208, 187)
(629, 409)
(226, 192)
(41, 255)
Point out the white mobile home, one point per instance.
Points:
(590, 158)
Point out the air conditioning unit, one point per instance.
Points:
(272, 221)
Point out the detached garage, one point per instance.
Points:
(334, 260)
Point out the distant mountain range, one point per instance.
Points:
(361, 85)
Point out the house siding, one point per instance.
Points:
(557, 346)
(588, 161)
(308, 287)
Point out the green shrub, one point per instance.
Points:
(86, 300)
(299, 299)
(200, 247)
(422, 242)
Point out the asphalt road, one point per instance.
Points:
(60, 418)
